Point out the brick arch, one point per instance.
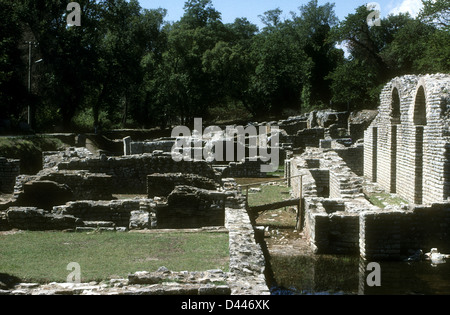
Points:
(419, 106)
(419, 118)
(395, 105)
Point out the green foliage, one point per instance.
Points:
(126, 66)
(436, 12)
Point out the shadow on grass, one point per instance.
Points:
(8, 281)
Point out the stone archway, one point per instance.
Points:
(395, 121)
(420, 121)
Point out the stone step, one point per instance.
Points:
(98, 224)
(101, 229)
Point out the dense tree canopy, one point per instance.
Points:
(126, 66)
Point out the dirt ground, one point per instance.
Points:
(280, 234)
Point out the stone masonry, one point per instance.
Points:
(9, 170)
(407, 146)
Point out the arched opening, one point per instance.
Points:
(395, 120)
(393, 159)
(395, 107)
(420, 120)
(420, 109)
(374, 153)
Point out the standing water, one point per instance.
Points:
(305, 273)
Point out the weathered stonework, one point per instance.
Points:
(129, 173)
(161, 185)
(83, 185)
(406, 147)
(398, 234)
(332, 200)
(141, 147)
(9, 170)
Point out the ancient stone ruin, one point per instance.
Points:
(406, 148)
(333, 162)
(404, 153)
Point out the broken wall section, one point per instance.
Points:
(330, 219)
(396, 235)
(129, 173)
(9, 170)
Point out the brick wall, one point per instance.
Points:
(398, 234)
(129, 173)
(9, 170)
(406, 146)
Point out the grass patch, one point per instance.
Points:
(43, 256)
(382, 200)
(28, 150)
(278, 173)
(268, 194)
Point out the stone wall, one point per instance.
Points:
(353, 157)
(247, 168)
(330, 219)
(32, 218)
(331, 233)
(140, 147)
(396, 235)
(161, 185)
(247, 261)
(116, 211)
(129, 173)
(406, 146)
(9, 170)
(186, 207)
(304, 138)
(191, 207)
(82, 184)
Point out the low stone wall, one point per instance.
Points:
(82, 184)
(395, 235)
(185, 207)
(330, 219)
(293, 126)
(329, 228)
(247, 261)
(246, 169)
(161, 185)
(140, 147)
(191, 207)
(353, 157)
(115, 211)
(34, 219)
(9, 170)
(51, 159)
(129, 173)
(304, 138)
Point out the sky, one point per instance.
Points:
(232, 9)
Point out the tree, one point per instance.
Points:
(313, 27)
(69, 53)
(370, 61)
(436, 12)
(280, 68)
(186, 88)
(437, 53)
(13, 94)
(403, 55)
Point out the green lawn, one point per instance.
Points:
(43, 256)
(268, 194)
